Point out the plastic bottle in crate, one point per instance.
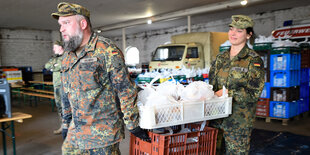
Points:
(279, 110)
(264, 93)
(284, 96)
(281, 82)
(274, 64)
(275, 96)
(284, 63)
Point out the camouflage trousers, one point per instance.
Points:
(237, 142)
(57, 95)
(69, 149)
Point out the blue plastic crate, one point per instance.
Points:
(25, 68)
(303, 105)
(285, 78)
(283, 109)
(266, 91)
(46, 72)
(304, 90)
(284, 62)
(304, 75)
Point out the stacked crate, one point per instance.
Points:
(262, 106)
(305, 75)
(284, 82)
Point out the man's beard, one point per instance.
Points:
(74, 42)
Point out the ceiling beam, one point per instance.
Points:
(182, 13)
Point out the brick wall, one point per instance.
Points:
(25, 48)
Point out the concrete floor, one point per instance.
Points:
(35, 135)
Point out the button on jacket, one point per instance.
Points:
(243, 76)
(101, 95)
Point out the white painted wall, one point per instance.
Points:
(265, 23)
(25, 48)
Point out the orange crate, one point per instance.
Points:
(10, 69)
(194, 143)
(262, 107)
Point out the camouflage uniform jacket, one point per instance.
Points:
(243, 76)
(100, 93)
(54, 65)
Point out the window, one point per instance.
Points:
(132, 56)
(192, 52)
(169, 53)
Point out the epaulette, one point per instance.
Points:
(105, 40)
(253, 54)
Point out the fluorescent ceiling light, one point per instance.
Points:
(149, 21)
(243, 2)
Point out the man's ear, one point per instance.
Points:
(83, 24)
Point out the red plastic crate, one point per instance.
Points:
(262, 107)
(194, 143)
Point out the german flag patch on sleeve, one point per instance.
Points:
(114, 52)
(256, 64)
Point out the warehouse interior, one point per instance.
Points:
(27, 34)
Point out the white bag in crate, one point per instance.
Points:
(197, 91)
(170, 88)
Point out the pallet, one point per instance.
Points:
(285, 120)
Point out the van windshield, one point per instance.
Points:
(169, 53)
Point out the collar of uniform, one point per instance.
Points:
(226, 54)
(243, 52)
(91, 43)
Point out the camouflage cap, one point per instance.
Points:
(69, 9)
(241, 21)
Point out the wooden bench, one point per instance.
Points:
(38, 90)
(36, 93)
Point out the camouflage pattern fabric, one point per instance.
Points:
(93, 81)
(241, 21)
(66, 109)
(243, 76)
(54, 65)
(69, 149)
(57, 95)
(69, 9)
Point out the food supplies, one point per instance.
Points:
(171, 103)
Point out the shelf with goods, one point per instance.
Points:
(262, 106)
(183, 76)
(285, 81)
(287, 94)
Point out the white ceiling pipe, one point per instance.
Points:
(189, 24)
(124, 39)
(182, 13)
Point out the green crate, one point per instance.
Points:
(285, 50)
(262, 46)
(198, 78)
(224, 48)
(176, 77)
(144, 79)
(183, 77)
